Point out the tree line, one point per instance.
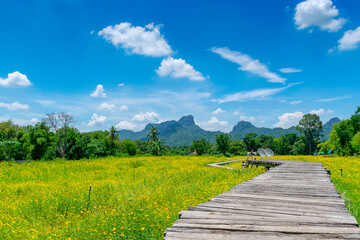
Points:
(54, 137)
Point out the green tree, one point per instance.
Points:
(355, 142)
(9, 150)
(299, 148)
(222, 143)
(157, 148)
(325, 147)
(112, 137)
(311, 126)
(251, 141)
(153, 134)
(355, 121)
(200, 146)
(237, 147)
(38, 140)
(340, 137)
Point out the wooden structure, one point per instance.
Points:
(294, 200)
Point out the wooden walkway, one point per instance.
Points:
(295, 200)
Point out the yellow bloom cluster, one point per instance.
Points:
(130, 198)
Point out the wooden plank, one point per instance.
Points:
(295, 200)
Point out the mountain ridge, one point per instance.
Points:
(185, 130)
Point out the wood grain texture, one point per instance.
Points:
(294, 200)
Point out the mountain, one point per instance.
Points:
(242, 128)
(175, 133)
(184, 131)
(327, 127)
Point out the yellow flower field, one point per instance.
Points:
(131, 198)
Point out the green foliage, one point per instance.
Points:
(325, 147)
(355, 142)
(9, 150)
(153, 134)
(237, 147)
(311, 126)
(96, 148)
(340, 137)
(129, 146)
(112, 137)
(299, 148)
(222, 143)
(201, 146)
(157, 148)
(251, 142)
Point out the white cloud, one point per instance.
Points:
(296, 102)
(215, 124)
(147, 116)
(106, 106)
(290, 70)
(45, 102)
(96, 120)
(218, 111)
(257, 94)
(329, 111)
(14, 106)
(178, 68)
(125, 125)
(350, 40)
(99, 92)
(248, 64)
(289, 119)
(318, 13)
(248, 119)
(15, 79)
(318, 112)
(137, 40)
(333, 99)
(121, 84)
(123, 108)
(34, 121)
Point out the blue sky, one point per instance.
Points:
(128, 63)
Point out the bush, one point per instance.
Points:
(129, 146)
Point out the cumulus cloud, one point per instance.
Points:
(96, 120)
(292, 119)
(290, 70)
(126, 125)
(123, 108)
(248, 64)
(121, 84)
(14, 106)
(178, 68)
(318, 112)
(350, 40)
(99, 92)
(34, 121)
(248, 119)
(15, 79)
(218, 111)
(318, 13)
(147, 116)
(106, 106)
(215, 124)
(289, 119)
(137, 40)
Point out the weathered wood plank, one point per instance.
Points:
(294, 200)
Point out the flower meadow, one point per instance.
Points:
(130, 198)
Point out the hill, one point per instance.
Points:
(184, 131)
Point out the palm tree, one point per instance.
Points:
(153, 134)
(113, 136)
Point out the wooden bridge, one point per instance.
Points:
(295, 200)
